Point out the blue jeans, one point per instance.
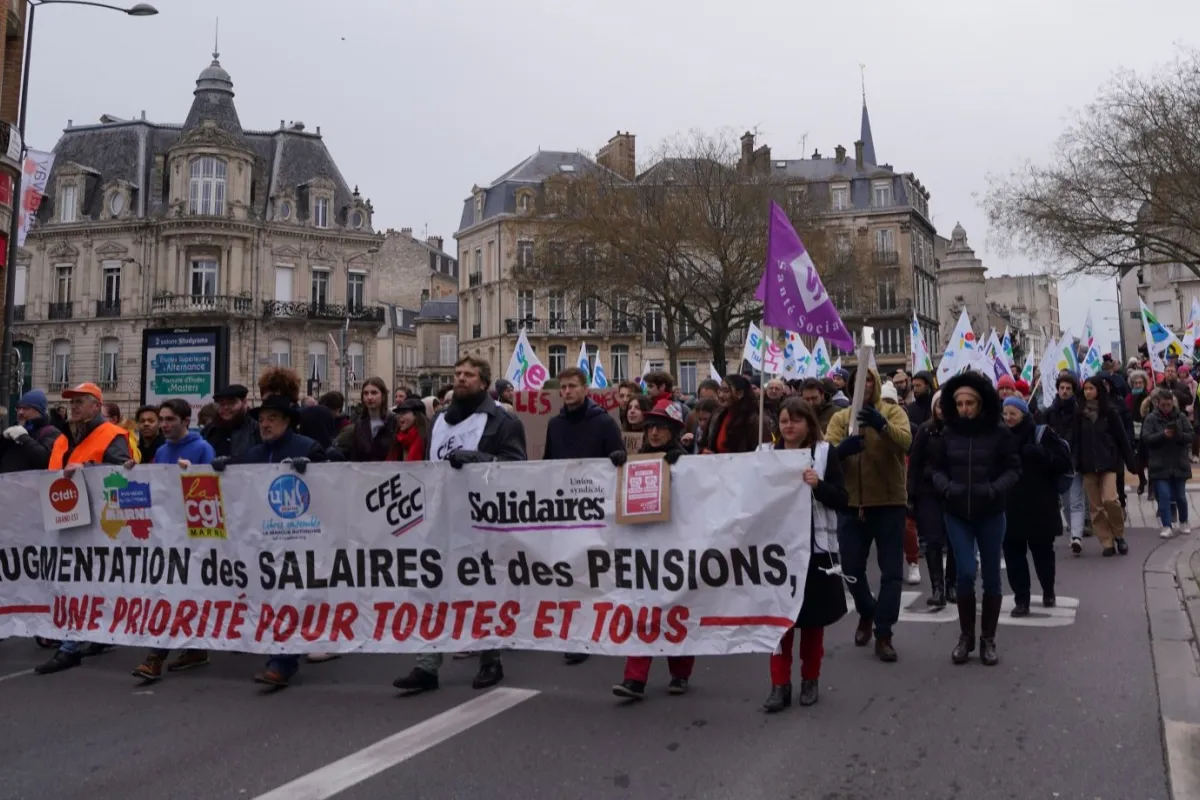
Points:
(885, 527)
(988, 534)
(1075, 505)
(284, 665)
(1171, 490)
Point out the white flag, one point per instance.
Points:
(920, 361)
(962, 339)
(712, 372)
(797, 361)
(1049, 372)
(752, 351)
(1192, 332)
(584, 363)
(525, 372)
(820, 359)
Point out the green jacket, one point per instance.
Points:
(876, 476)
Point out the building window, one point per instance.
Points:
(558, 310)
(619, 362)
(116, 203)
(479, 261)
(593, 353)
(654, 325)
(887, 294)
(588, 314)
(885, 241)
(558, 359)
(356, 291)
(281, 353)
(112, 284)
(840, 197)
(523, 202)
(22, 278)
(356, 220)
(687, 377)
(62, 288)
(797, 198)
(890, 341)
(479, 207)
(203, 278)
(321, 212)
(447, 349)
(319, 296)
(110, 353)
(525, 253)
(285, 210)
(60, 364)
(318, 362)
(842, 297)
(525, 309)
(206, 189)
(284, 277)
(881, 195)
(841, 244)
(68, 207)
(684, 330)
(356, 362)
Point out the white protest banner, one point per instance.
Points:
(65, 502)
(413, 557)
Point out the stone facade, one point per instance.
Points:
(1168, 291)
(151, 225)
(413, 271)
(1030, 304)
(961, 278)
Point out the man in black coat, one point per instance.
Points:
(471, 429)
(27, 445)
(921, 407)
(234, 432)
(581, 430)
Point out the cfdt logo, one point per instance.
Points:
(63, 495)
(289, 497)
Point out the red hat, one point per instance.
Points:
(1006, 382)
(671, 413)
(1022, 387)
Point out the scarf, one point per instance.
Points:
(1091, 409)
(408, 446)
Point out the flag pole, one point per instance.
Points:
(762, 373)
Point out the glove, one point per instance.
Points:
(299, 464)
(618, 457)
(871, 418)
(460, 457)
(850, 446)
(671, 456)
(15, 432)
(220, 463)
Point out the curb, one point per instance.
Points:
(1173, 608)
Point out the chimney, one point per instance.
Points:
(620, 155)
(816, 156)
(858, 155)
(839, 154)
(747, 146)
(406, 232)
(435, 242)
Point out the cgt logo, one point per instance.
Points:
(203, 508)
(401, 499)
(63, 495)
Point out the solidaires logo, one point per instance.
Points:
(529, 509)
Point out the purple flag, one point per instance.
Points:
(791, 291)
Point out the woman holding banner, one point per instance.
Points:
(824, 597)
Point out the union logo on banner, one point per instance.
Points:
(202, 507)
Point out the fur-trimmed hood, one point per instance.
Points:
(989, 415)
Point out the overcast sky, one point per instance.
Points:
(420, 99)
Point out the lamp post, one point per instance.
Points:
(14, 226)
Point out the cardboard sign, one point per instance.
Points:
(65, 502)
(644, 490)
(535, 409)
(633, 441)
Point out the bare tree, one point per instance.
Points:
(687, 236)
(1122, 190)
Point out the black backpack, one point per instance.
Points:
(1067, 478)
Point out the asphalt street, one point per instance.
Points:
(1070, 712)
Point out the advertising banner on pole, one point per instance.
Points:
(409, 557)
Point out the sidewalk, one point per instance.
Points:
(1142, 512)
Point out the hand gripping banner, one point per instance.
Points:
(390, 558)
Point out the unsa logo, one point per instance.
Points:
(401, 498)
(288, 496)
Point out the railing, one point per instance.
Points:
(108, 386)
(280, 309)
(475, 279)
(19, 313)
(60, 311)
(902, 305)
(108, 308)
(57, 387)
(560, 326)
(201, 304)
(885, 258)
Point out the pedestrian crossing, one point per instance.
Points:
(913, 609)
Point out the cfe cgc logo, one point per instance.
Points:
(290, 499)
(400, 499)
(203, 507)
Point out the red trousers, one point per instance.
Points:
(912, 544)
(637, 668)
(812, 649)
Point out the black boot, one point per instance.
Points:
(417, 681)
(488, 676)
(1020, 607)
(951, 592)
(937, 578)
(951, 578)
(779, 698)
(862, 634)
(60, 661)
(808, 692)
(966, 629)
(988, 618)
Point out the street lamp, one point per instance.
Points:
(14, 226)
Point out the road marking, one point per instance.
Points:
(1061, 615)
(398, 748)
(12, 675)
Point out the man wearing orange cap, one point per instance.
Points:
(92, 439)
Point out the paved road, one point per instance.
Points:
(1071, 712)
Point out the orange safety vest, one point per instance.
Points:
(90, 450)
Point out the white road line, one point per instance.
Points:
(20, 674)
(398, 748)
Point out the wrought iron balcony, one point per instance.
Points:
(475, 279)
(560, 326)
(279, 309)
(885, 258)
(190, 304)
(60, 311)
(19, 313)
(108, 308)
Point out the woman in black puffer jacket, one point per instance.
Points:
(974, 469)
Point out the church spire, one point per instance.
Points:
(865, 134)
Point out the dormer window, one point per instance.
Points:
(321, 212)
(479, 207)
(285, 210)
(523, 202)
(116, 204)
(840, 197)
(206, 189)
(881, 194)
(68, 203)
(356, 220)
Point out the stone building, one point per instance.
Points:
(961, 278)
(151, 225)
(1168, 291)
(12, 52)
(1029, 303)
(437, 345)
(412, 270)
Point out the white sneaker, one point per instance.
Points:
(1165, 533)
(1185, 527)
(914, 575)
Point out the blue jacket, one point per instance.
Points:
(585, 432)
(191, 446)
(290, 445)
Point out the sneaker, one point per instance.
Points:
(417, 681)
(272, 677)
(677, 686)
(630, 690)
(188, 659)
(1021, 609)
(1049, 601)
(1122, 546)
(59, 662)
(1185, 527)
(914, 575)
(1076, 546)
(149, 670)
(1166, 533)
(488, 676)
